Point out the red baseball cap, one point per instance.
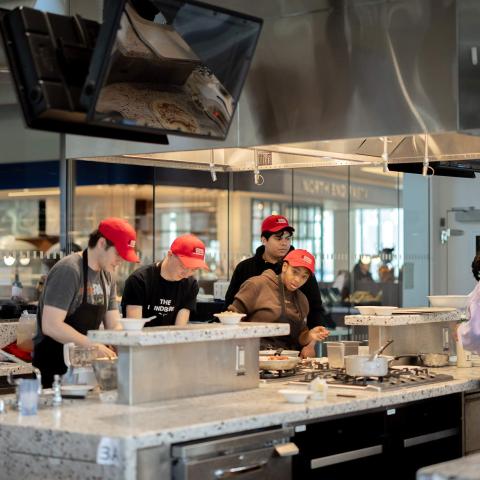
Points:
(275, 223)
(301, 258)
(122, 235)
(190, 250)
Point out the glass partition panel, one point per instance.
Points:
(29, 227)
(416, 234)
(376, 236)
(190, 202)
(250, 204)
(320, 212)
(104, 190)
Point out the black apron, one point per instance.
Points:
(287, 342)
(48, 353)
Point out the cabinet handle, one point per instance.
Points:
(237, 471)
(345, 456)
(429, 437)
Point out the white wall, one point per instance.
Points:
(447, 194)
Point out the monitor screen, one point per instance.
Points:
(173, 66)
(151, 68)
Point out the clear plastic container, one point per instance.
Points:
(27, 327)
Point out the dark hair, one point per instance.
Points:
(267, 234)
(94, 237)
(476, 267)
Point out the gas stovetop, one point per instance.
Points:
(398, 377)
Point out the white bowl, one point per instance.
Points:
(229, 318)
(453, 301)
(378, 310)
(295, 395)
(132, 323)
(287, 353)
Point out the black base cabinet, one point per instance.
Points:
(391, 443)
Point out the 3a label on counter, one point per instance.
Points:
(108, 451)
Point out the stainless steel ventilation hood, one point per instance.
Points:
(335, 82)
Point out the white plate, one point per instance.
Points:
(132, 323)
(287, 353)
(77, 390)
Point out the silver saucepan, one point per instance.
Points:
(366, 366)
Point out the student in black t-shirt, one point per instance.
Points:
(166, 289)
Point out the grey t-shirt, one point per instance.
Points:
(64, 288)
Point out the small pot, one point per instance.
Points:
(434, 359)
(365, 366)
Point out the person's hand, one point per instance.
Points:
(104, 351)
(308, 351)
(318, 334)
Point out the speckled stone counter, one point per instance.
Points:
(465, 468)
(73, 434)
(8, 333)
(189, 333)
(394, 320)
(13, 368)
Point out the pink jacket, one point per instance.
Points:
(469, 332)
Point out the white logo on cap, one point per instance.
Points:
(198, 251)
(131, 244)
(281, 220)
(307, 259)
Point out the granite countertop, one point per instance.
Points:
(13, 368)
(8, 333)
(75, 430)
(395, 320)
(188, 333)
(464, 468)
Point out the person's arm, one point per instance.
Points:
(134, 311)
(112, 316)
(182, 317)
(134, 295)
(244, 301)
(54, 326)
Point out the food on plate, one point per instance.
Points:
(278, 357)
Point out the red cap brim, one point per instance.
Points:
(129, 255)
(299, 263)
(281, 227)
(189, 262)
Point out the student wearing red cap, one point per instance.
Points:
(166, 289)
(272, 297)
(276, 237)
(79, 294)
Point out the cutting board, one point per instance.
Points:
(421, 310)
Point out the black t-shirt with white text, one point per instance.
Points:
(157, 296)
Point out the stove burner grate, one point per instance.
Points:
(267, 374)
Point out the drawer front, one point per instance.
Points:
(261, 464)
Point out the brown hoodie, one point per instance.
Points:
(259, 298)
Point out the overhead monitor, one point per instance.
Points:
(152, 68)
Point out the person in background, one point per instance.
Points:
(276, 237)
(79, 294)
(166, 289)
(361, 271)
(272, 297)
(469, 332)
